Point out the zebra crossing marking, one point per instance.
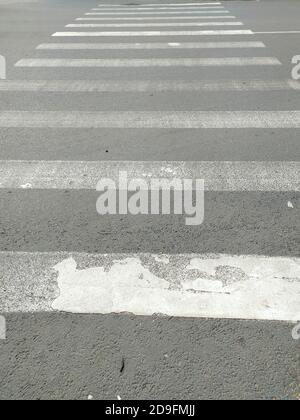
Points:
(150, 45)
(227, 286)
(155, 119)
(179, 13)
(145, 25)
(167, 18)
(151, 62)
(140, 86)
(218, 176)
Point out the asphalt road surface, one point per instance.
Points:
(146, 306)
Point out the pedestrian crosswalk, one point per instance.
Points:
(157, 13)
(163, 79)
(143, 25)
(157, 18)
(147, 86)
(158, 119)
(219, 176)
(153, 62)
(154, 33)
(150, 45)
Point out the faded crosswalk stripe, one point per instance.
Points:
(167, 4)
(218, 176)
(152, 62)
(157, 119)
(155, 18)
(154, 33)
(147, 86)
(179, 13)
(264, 288)
(150, 45)
(144, 25)
(196, 8)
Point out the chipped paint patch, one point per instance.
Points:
(222, 286)
(162, 259)
(26, 186)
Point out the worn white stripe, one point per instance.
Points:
(218, 176)
(134, 9)
(90, 86)
(150, 45)
(158, 119)
(156, 24)
(278, 32)
(153, 33)
(155, 6)
(151, 62)
(166, 4)
(208, 11)
(145, 18)
(197, 285)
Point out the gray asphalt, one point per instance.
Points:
(67, 356)
(235, 223)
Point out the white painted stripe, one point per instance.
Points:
(226, 286)
(139, 86)
(218, 176)
(151, 62)
(156, 24)
(166, 18)
(153, 33)
(159, 7)
(134, 9)
(166, 4)
(159, 13)
(278, 32)
(158, 119)
(115, 6)
(150, 45)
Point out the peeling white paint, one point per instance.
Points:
(162, 259)
(26, 186)
(223, 286)
(218, 176)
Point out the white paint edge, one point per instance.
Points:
(84, 175)
(199, 286)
